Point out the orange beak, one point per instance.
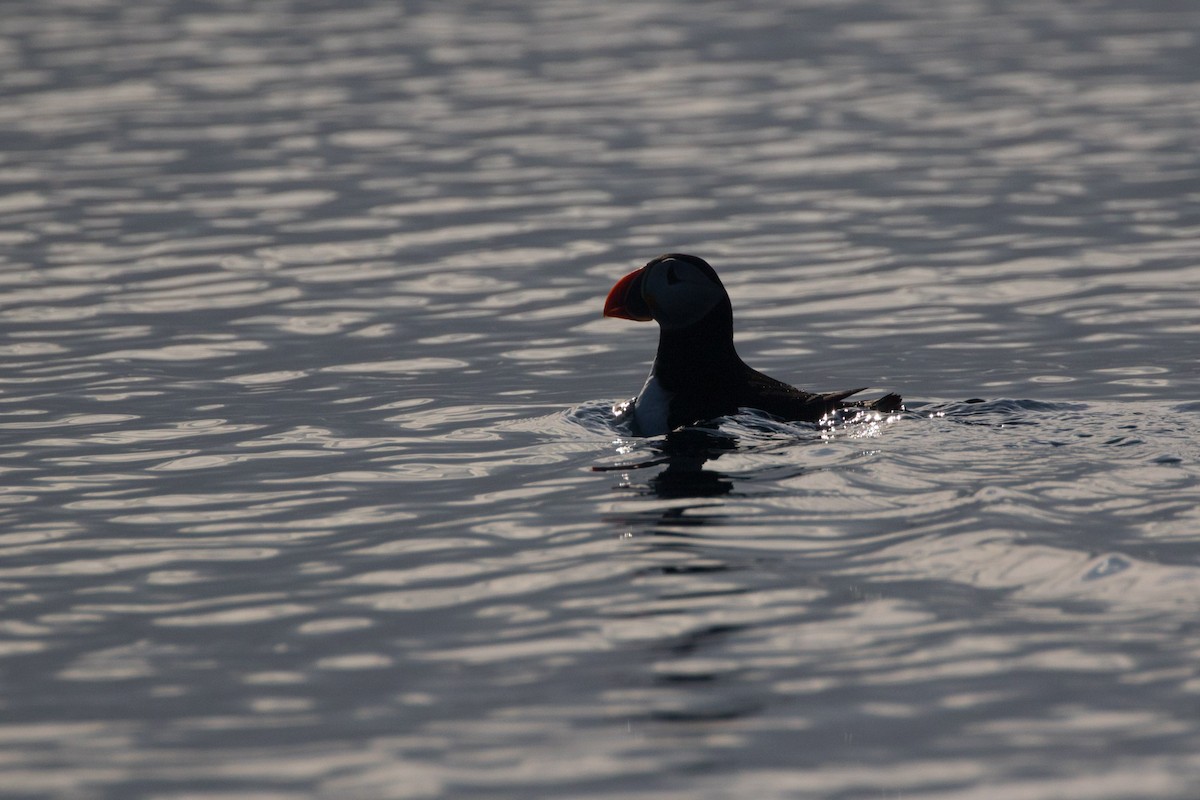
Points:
(625, 298)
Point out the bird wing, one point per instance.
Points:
(776, 397)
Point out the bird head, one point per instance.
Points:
(675, 290)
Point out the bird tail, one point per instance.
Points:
(887, 404)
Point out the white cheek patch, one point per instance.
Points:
(684, 302)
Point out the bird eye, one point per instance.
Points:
(672, 278)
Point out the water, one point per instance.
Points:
(311, 488)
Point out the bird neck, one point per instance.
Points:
(698, 355)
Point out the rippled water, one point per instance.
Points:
(311, 485)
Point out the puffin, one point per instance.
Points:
(697, 374)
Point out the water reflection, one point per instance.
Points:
(683, 454)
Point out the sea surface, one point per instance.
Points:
(310, 482)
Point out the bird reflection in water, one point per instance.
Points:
(684, 453)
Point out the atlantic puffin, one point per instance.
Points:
(697, 374)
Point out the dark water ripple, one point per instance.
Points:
(310, 486)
